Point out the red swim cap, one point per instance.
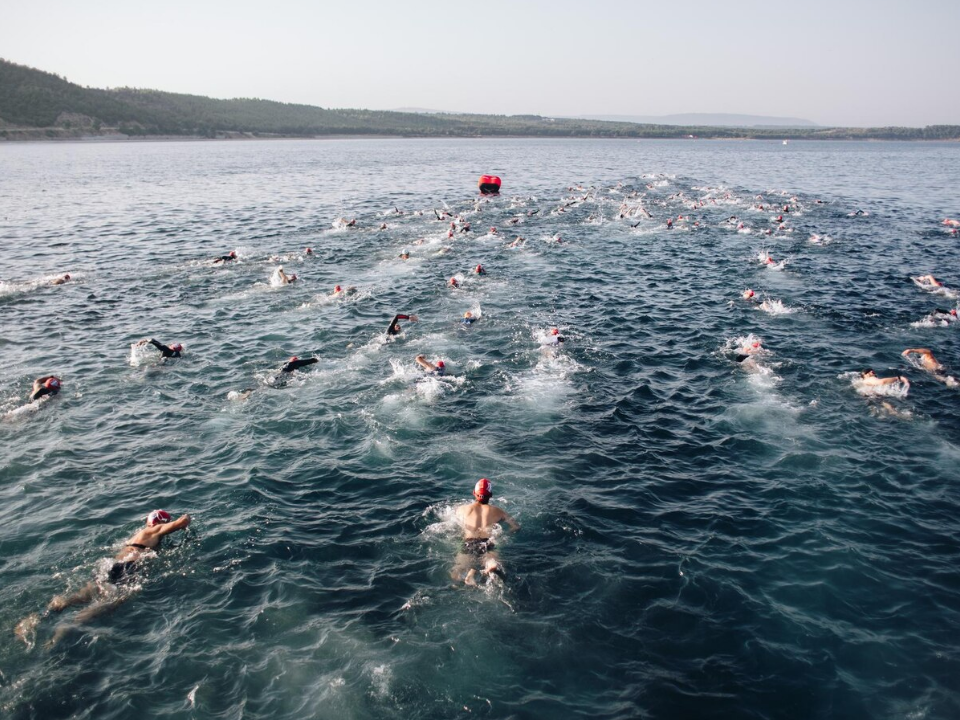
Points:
(756, 344)
(177, 347)
(337, 289)
(440, 363)
(67, 276)
(953, 312)
(233, 253)
(555, 331)
(51, 383)
(158, 516)
(308, 251)
(483, 488)
(293, 358)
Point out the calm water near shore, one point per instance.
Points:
(700, 538)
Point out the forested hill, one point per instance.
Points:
(38, 105)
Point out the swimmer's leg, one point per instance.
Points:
(462, 569)
(85, 616)
(26, 629)
(86, 595)
(491, 566)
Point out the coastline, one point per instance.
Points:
(41, 136)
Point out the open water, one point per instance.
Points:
(700, 538)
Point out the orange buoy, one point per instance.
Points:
(489, 184)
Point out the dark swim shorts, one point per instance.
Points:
(477, 546)
(121, 572)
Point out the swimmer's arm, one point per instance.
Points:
(425, 364)
(513, 524)
(160, 346)
(179, 524)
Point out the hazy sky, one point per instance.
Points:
(856, 62)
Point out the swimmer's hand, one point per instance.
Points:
(413, 318)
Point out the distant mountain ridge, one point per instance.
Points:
(37, 105)
(685, 119)
(708, 120)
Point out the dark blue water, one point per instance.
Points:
(699, 538)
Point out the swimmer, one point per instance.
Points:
(438, 368)
(283, 277)
(344, 223)
(517, 242)
(468, 318)
(61, 280)
(748, 351)
(104, 596)
(308, 251)
(465, 227)
(171, 351)
(493, 231)
(338, 291)
(232, 255)
(951, 223)
(870, 379)
(453, 282)
(46, 386)
(554, 339)
(479, 270)
(394, 327)
(929, 363)
(296, 363)
(404, 254)
(927, 280)
(749, 294)
(942, 316)
(478, 520)
(383, 226)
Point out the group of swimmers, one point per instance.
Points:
(476, 558)
(922, 358)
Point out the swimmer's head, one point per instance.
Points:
(747, 294)
(233, 253)
(337, 289)
(483, 491)
(158, 517)
(67, 276)
(554, 331)
(440, 364)
(293, 359)
(954, 312)
(468, 314)
(52, 383)
(308, 251)
(293, 277)
(756, 344)
(867, 373)
(177, 347)
(478, 269)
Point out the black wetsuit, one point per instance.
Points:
(225, 258)
(393, 328)
(297, 364)
(122, 570)
(37, 394)
(167, 351)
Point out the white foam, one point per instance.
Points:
(775, 307)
